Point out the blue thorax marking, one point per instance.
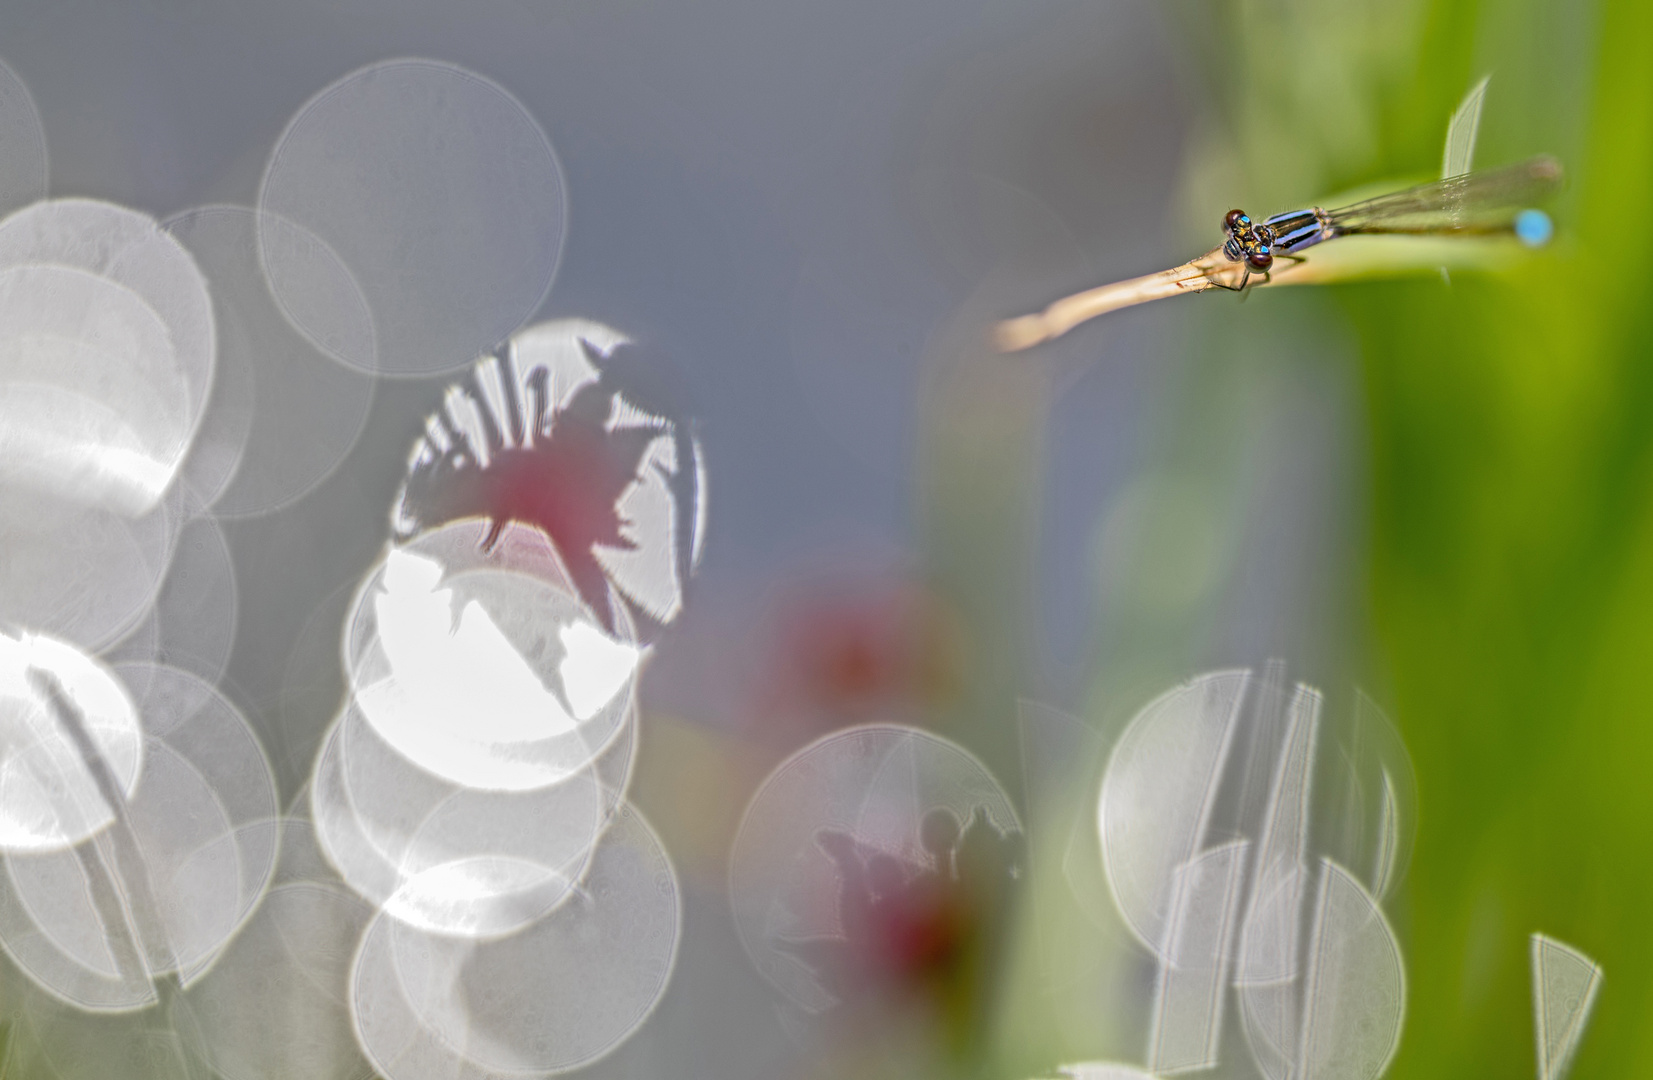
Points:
(1297, 229)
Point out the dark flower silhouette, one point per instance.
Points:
(564, 475)
(917, 935)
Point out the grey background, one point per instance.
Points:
(791, 198)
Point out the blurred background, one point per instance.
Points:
(1435, 491)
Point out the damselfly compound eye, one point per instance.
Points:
(1233, 219)
(1260, 260)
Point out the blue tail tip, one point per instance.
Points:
(1534, 227)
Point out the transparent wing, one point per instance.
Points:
(1480, 202)
(1461, 132)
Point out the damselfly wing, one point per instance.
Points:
(1491, 203)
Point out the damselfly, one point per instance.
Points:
(1494, 202)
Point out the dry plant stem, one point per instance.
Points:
(1209, 271)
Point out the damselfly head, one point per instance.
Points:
(1247, 241)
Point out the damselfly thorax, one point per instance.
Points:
(1258, 244)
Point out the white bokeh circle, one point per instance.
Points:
(874, 785)
(558, 994)
(439, 192)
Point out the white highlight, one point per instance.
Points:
(1320, 986)
(183, 859)
(60, 442)
(1104, 1070)
(1461, 132)
(594, 668)
(555, 346)
(128, 249)
(562, 992)
(646, 573)
(1268, 941)
(442, 671)
(1355, 995)
(457, 657)
(1388, 844)
(89, 337)
(49, 798)
(1564, 987)
(1188, 1002)
(80, 573)
(1158, 792)
(465, 788)
(472, 787)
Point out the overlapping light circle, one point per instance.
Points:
(191, 620)
(128, 249)
(101, 306)
(498, 850)
(23, 165)
(450, 858)
(291, 960)
(135, 802)
(50, 795)
(486, 675)
(466, 812)
(180, 849)
(82, 573)
(873, 788)
(286, 408)
(1231, 895)
(484, 744)
(107, 351)
(441, 195)
(556, 995)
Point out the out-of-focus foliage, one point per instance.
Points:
(1511, 472)
(1501, 602)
